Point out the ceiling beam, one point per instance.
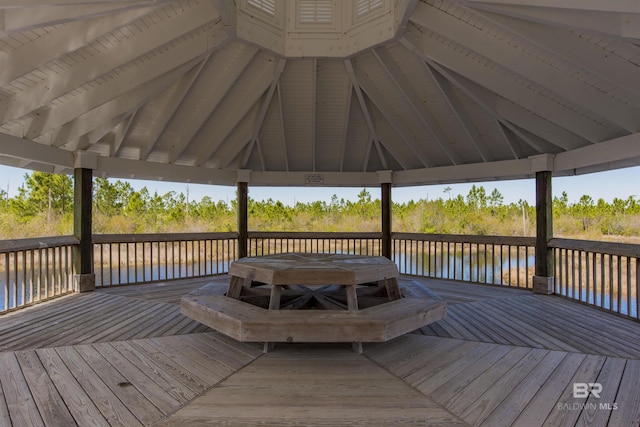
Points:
(30, 18)
(484, 74)
(257, 125)
(314, 118)
(9, 4)
(170, 101)
(67, 136)
(129, 78)
(618, 6)
(285, 155)
(423, 115)
(237, 141)
(58, 41)
(250, 87)
(512, 58)
(459, 113)
(20, 148)
(413, 142)
(506, 169)
(345, 126)
(619, 25)
(161, 34)
(217, 77)
(579, 50)
(614, 150)
(365, 111)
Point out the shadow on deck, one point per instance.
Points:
(126, 356)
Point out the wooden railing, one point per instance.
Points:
(265, 243)
(601, 274)
(605, 275)
(495, 260)
(35, 270)
(123, 259)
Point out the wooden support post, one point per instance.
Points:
(84, 279)
(243, 232)
(386, 219)
(543, 279)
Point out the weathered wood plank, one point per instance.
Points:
(51, 406)
(544, 401)
(516, 399)
(598, 409)
(20, 403)
(628, 397)
(496, 391)
(475, 388)
(347, 390)
(124, 389)
(586, 373)
(5, 419)
(140, 377)
(434, 378)
(110, 406)
(200, 364)
(435, 364)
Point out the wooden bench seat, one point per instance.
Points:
(245, 322)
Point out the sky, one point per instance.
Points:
(620, 183)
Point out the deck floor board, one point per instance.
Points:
(126, 356)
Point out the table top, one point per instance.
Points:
(314, 269)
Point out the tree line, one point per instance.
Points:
(44, 206)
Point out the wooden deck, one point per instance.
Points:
(126, 356)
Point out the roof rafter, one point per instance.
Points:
(59, 41)
(378, 99)
(282, 129)
(170, 101)
(68, 134)
(263, 112)
(205, 96)
(157, 36)
(424, 115)
(466, 124)
(436, 51)
(24, 19)
(251, 85)
(511, 58)
(129, 79)
(576, 49)
(618, 6)
(365, 111)
(345, 129)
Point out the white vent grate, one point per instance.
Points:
(267, 6)
(364, 7)
(315, 11)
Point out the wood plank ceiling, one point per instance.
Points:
(460, 90)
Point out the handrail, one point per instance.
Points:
(313, 235)
(17, 245)
(611, 248)
(160, 237)
(467, 238)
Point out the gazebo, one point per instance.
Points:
(327, 93)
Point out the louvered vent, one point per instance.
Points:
(266, 6)
(315, 11)
(363, 7)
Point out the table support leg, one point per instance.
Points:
(352, 298)
(274, 300)
(393, 290)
